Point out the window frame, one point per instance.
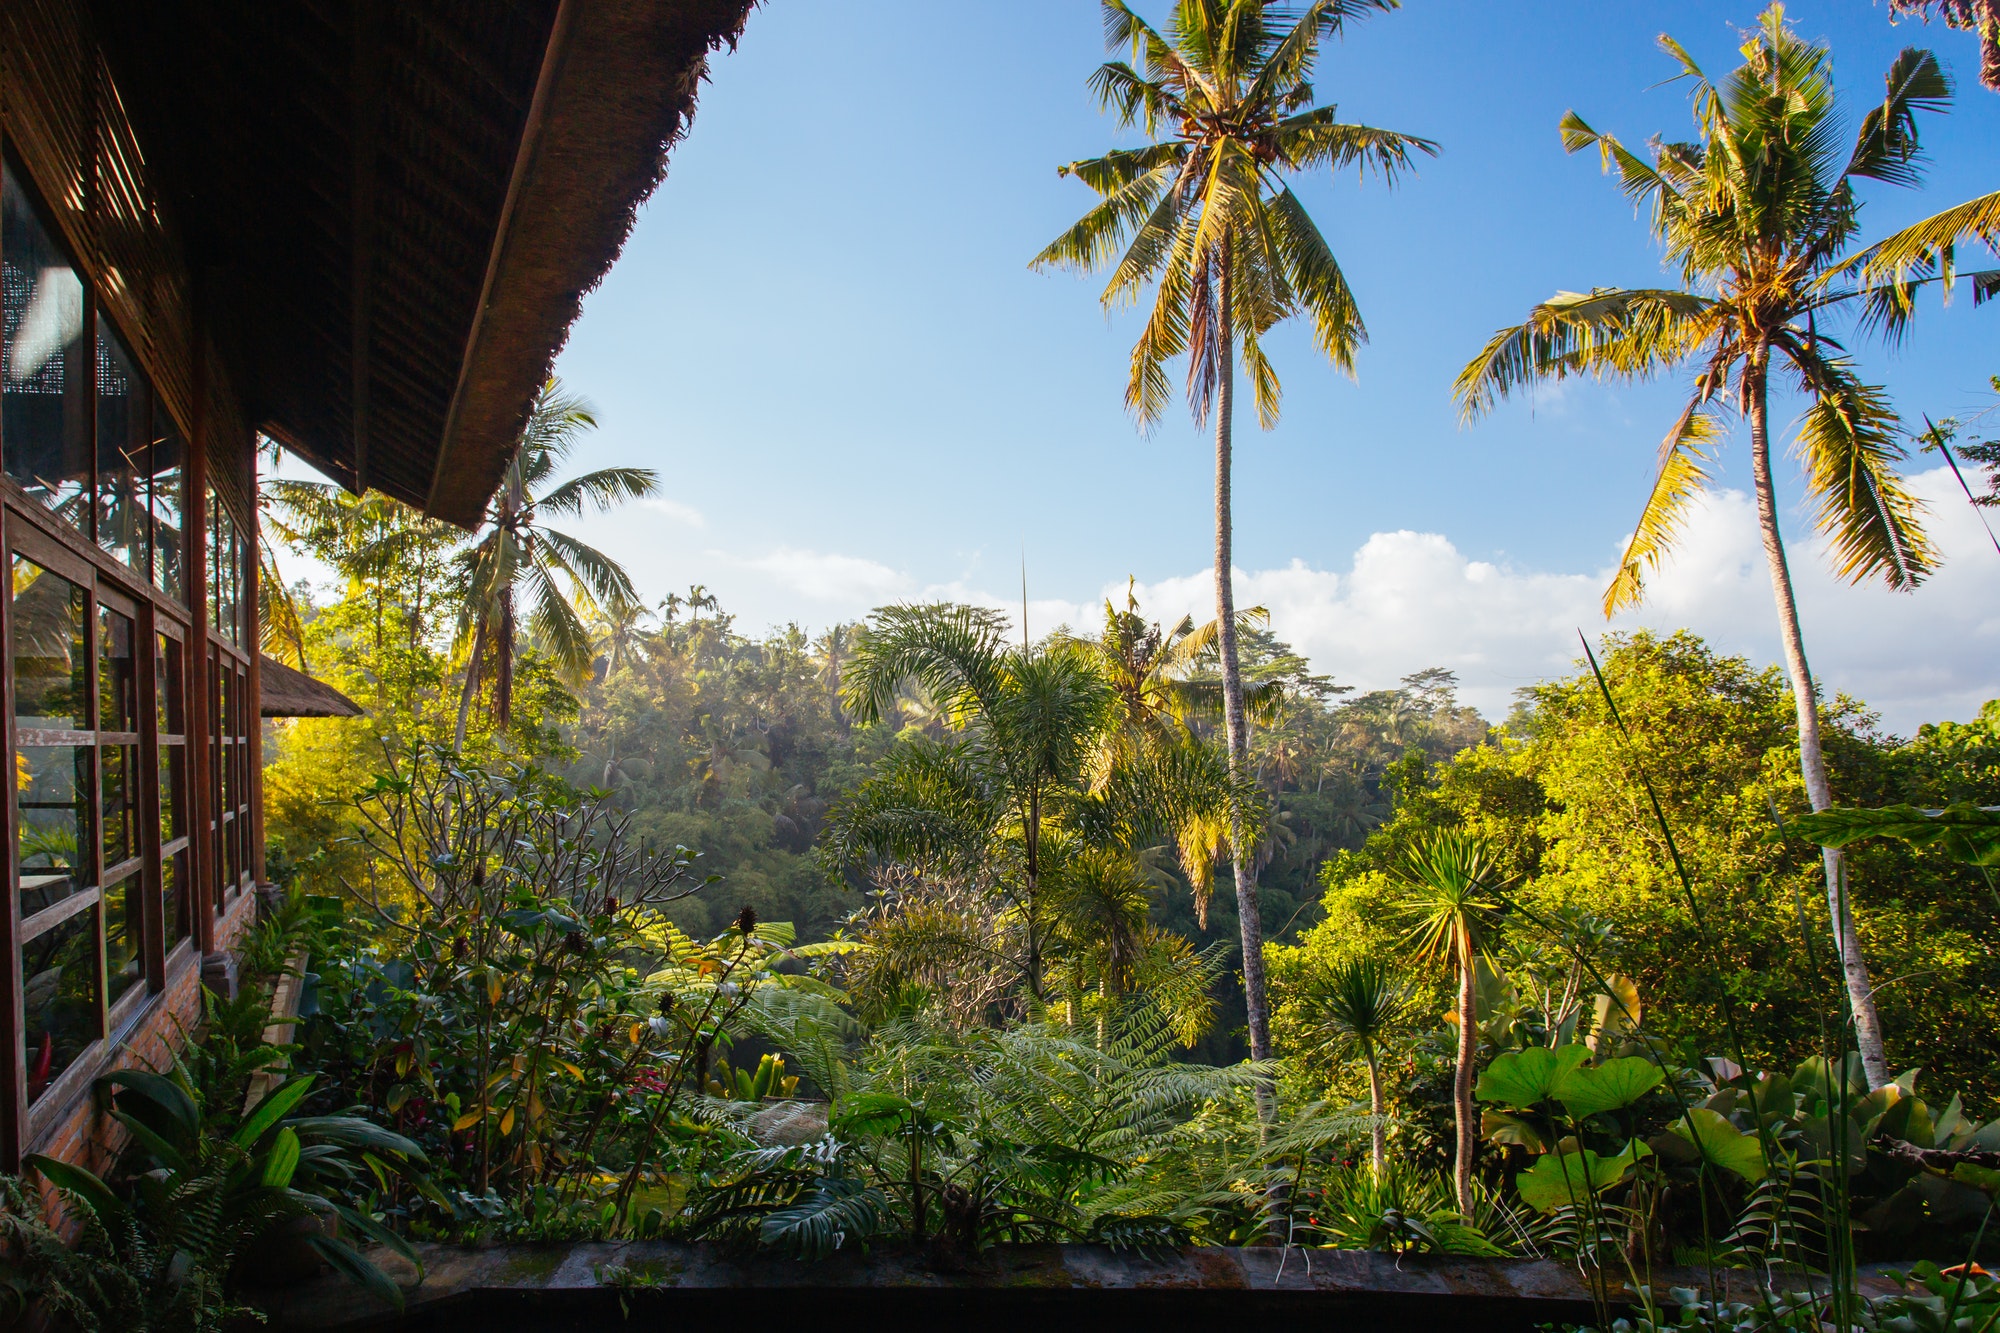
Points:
(41, 533)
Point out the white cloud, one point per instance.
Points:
(844, 582)
(1413, 600)
(684, 514)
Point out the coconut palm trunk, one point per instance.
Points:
(1812, 758)
(1236, 724)
(1463, 1110)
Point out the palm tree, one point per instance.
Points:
(1156, 675)
(1203, 215)
(1758, 214)
(1362, 1001)
(1448, 895)
(516, 553)
(1031, 717)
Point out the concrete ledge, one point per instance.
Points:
(563, 1287)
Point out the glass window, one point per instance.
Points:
(59, 998)
(44, 411)
(117, 673)
(173, 793)
(51, 689)
(124, 449)
(52, 781)
(167, 688)
(216, 518)
(174, 889)
(118, 769)
(169, 452)
(52, 793)
(124, 928)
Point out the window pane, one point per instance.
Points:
(49, 652)
(173, 792)
(43, 379)
(118, 772)
(59, 998)
(174, 897)
(168, 453)
(216, 518)
(117, 673)
(52, 800)
(232, 581)
(168, 691)
(124, 446)
(124, 928)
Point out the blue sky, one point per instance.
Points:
(825, 336)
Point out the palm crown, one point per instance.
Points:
(1757, 215)
(562, 576)
(1205, 213)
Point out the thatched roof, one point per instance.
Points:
(397, 206)
(287, 692)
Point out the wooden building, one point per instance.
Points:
(360, 227)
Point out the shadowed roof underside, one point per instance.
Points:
(396, 207)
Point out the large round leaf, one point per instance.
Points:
(1559, 1180)
(1589, 1089)
(1528, 1078)
(1721, 1143)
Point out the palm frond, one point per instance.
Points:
(952, 650)
(1885, 149)
(1679, 478)
(1606, 332)
(1930, 245)
(1848, 441)
(601, 489)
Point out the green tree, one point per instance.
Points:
(1363, 1002)
(1447, 884)
(1758, 214)
(1031, 719)
(1203, 215)
(515, 554)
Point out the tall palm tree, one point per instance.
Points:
(1448, 888)
(1203, 215)
(1757, 213)
(1363, 999)
(515, 553)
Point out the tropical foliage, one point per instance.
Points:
(626, 923)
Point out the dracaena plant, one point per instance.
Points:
(1757, 215)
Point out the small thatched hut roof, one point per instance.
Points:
(398, 205)
(287, 692)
